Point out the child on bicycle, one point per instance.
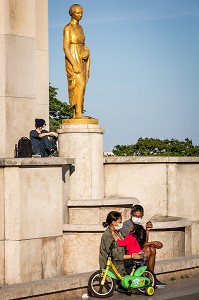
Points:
(133, 241)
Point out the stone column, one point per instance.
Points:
(84, 142)
(23, 69)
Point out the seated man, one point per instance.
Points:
(39, 137)
(149, 248)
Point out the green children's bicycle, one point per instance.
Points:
(103, 282)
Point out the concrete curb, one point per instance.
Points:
(44, 286)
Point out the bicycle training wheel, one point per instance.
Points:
(150, 291)
(97, 290)
(148, 273)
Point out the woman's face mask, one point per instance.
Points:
(136, 220)
(119, 226)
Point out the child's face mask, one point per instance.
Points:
(136, 220)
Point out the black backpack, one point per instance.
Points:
(24, 147)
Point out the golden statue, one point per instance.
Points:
(77, 60)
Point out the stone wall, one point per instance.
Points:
(36, 242)
(165, 186)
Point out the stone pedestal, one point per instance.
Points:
(84, 142)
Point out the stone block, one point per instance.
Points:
(2, 261)
(146, 182)
(2, 227)
(14, 117)
(12, 262)
(81, 189)
(35, 259)
(42, 80)
(18, 17)
(84, 215)
(188, 240)
(97, 166)
(41, 11)
(195, 237)
(12, 204)
(173, 243)
(52, 257)
(2, 64)
(96, 215)
(2, 16)
(124, 211)
(34, 193)
(172, 190)
(187, 190)
(65, 192)
(81, 252)
(20, 67)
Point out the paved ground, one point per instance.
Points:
(183, 289)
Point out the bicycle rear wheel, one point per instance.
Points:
(96, 289)
(148, 273)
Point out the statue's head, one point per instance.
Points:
(73, 8)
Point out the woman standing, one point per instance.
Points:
(77, 60)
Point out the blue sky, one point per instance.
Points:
(144, 78)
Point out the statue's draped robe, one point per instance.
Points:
(81, 56)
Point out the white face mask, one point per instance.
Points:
(136, 220)
(119, 226)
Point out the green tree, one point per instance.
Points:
(157, 147)
(58, 110)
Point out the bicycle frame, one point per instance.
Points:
(134, 280)
(106, 271)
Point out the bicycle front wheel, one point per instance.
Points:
(96, 289)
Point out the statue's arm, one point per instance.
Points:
(67, 51)
(88, 69)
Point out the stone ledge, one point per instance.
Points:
(148, 159)
(169, 222)
(177, 264)
(44, 287)
(40, 161)
(161, 224)
(72, 283)
(123, 202)
(83, 228)
(80, 128)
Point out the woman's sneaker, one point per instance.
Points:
(160, 284)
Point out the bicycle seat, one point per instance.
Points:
(137, 261)
(134, 262)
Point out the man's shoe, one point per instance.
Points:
(54, 153)
(122, 290)
(160, 284)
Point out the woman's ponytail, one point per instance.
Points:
(104, 224)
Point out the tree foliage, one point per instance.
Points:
(58, 110)
(157, 147)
